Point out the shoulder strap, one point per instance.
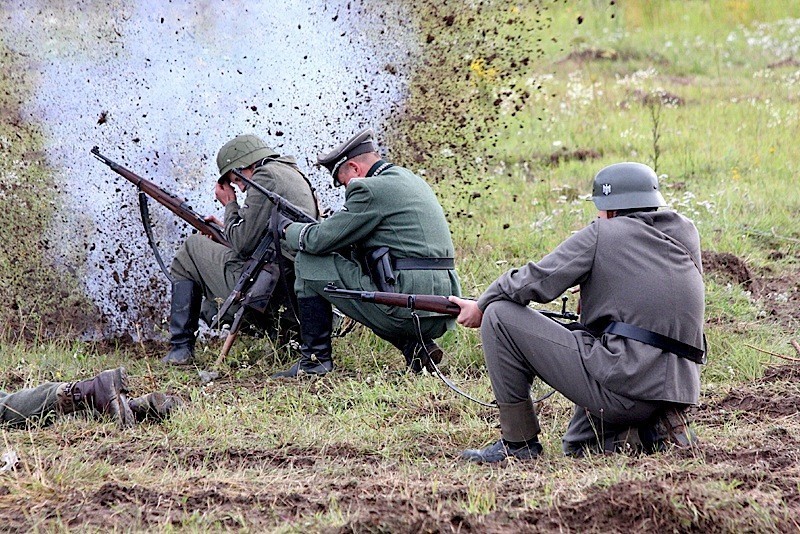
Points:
(686, 250)
(290, 161)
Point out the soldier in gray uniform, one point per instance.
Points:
(106, 395)
(635, 366)
(203, 268)
(390, 235)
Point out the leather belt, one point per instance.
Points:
(423, 264)
(657, 340)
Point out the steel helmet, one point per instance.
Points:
(624, 186)
(242, 151)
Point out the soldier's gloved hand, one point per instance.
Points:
(282, 223)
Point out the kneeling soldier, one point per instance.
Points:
(635, 367)
(401, 242)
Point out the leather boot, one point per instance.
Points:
(106, 394)
(419, 357)
(670, 427)
(183, 322)
(154, 406)
(502, 449)
(316, 317)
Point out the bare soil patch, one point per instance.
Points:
(232, 459)
(774, 396)
(728, 266)
(778, 295)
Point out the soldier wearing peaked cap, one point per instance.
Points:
(632, 366)
(403, 244)
(203, 268)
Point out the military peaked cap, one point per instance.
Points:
(361, 143)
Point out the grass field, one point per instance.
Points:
(513, 108)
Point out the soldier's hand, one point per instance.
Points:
(471, 316)
(212, 219)
(282, 222)
(224, 193)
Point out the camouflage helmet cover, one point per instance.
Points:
(241, 151)
(625, 186)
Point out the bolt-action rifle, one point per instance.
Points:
(174, 203)
(436, 304)
(431, 303)
(262, 271)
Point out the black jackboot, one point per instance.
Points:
(316, 317)
(183, 321)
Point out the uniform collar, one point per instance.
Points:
(378, 167)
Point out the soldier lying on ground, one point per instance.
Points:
(402, 243)
(635, 367)
(105, 394)
(203, 268)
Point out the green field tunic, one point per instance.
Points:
(215, 267)
(392, 208)
(26, 404)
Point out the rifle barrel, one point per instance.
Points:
(174, 203)
(431, 303)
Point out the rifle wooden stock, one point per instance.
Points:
(174, 203)
(431, 303)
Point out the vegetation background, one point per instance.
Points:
(513, 108)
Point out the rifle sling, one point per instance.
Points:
(449, 383)
(144, 211)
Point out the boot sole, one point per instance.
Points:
(119, 408)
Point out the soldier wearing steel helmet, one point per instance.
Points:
(403, 245)
(203, 268)
(632, 366)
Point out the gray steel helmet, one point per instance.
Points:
(624, 186)
(242, 151)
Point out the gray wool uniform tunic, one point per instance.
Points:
(216, 267)
(643, 269)
(393, 208)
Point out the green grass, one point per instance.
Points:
(368, 448)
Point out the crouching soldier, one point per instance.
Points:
(204, 268)
(394, 223)
(635, 368)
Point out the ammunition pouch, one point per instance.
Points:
(260, 291)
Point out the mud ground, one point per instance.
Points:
(747, 479)
(721, 486)
(777, 295)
